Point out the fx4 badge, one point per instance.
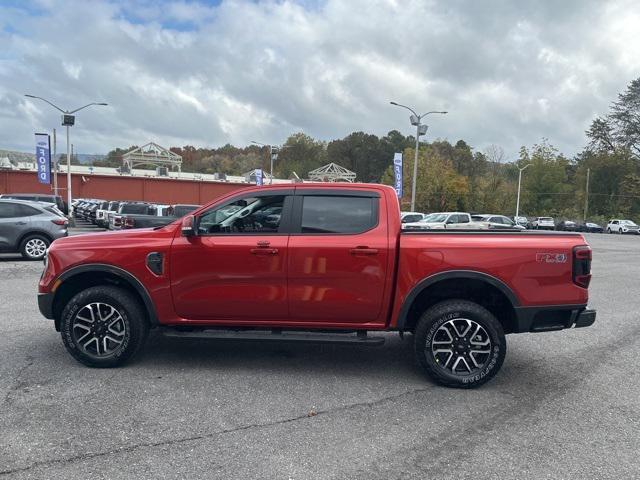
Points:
(551, 257)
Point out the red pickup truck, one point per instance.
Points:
(316, 263)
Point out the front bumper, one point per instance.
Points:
(557, 317)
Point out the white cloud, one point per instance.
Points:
(180, 72)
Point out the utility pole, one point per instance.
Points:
(55, 165)
(586, 196)
(519, 182)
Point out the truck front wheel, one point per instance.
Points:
(459, 344)
(103, 326)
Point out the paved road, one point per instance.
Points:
(566, 404)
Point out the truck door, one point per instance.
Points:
(236, 265)
(338, 252)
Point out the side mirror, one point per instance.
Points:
(188, 226)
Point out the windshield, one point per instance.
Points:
(411, 218)
(135, 208)
(628, 222)
(435, 218)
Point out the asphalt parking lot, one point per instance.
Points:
(565, 405)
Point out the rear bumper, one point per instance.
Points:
(45, 304)
(556, 317)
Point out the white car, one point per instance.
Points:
(497, 222)
(543, 223)
(622, 226)
(446, 220)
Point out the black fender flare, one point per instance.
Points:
(449, 275)
(124, 275)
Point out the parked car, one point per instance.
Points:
(590, 227)
(101, 213)
(411, 217)
(497, 222)
(568, 226)
(336, 267)
(39, 197)
(523, 221)
(543, 223)
(446, 220)
(130, 208)
(29, 227)
(622, 226)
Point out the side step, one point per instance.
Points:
(278, 335)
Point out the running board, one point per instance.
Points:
(360, 338)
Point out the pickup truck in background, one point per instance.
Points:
(332, 266)
(155, 216)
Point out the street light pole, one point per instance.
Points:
(421, 129)
(273, 155)
(68, 119)
(519, 182)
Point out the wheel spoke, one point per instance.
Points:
(461, 346)
(99, 329)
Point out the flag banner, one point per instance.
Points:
(397, 172)
(43, 158)
(258, 174)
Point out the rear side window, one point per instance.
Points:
(328, 214)
(26, 211)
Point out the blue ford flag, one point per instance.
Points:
(397, 172)
(258, 173)
(43, 158)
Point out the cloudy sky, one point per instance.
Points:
(213, 72)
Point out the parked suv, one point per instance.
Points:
(39, 197)
(543, 223)
(29, 228)
(622, 226)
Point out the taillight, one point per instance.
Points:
(60, 221)
(582, 265)
(129, 223)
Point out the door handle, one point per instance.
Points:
(363, 251)
(264, 251)
(21, 223)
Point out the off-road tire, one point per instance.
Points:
(32, 243)
(441, 315)
(132, 328)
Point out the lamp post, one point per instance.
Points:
(519, 181)
(421, 129)
(273, 155)
(68, 120)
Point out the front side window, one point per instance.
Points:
(329, 214)
(252, 215)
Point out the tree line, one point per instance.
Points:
(457, 177)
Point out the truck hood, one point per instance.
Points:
(115, 239)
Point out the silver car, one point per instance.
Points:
(29, 227)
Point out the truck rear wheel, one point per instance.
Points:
(103, 326)
(459, 344)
